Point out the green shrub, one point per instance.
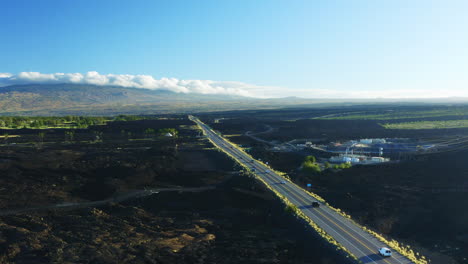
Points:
(291, 208)
(345, 165)
(310, 165)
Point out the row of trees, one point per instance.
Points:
(17, 122)
(129, 118)
(37, 122)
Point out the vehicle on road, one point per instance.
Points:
(385, 252)
(315, 204)
(283, 182)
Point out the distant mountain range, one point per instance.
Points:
(46, 99)
(77, 99)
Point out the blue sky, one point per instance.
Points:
(273, 48)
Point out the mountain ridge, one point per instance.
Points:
(86, 99)
(19, 98)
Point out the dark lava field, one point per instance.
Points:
(85, 200)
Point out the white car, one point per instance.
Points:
(385, 252)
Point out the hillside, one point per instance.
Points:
(84, 99)
(79, 99)
(45, 99)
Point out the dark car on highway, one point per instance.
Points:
(315, 204)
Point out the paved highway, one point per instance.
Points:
(362, 244)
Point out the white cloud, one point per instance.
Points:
(5, 75)
(127, 80)
(228, 87)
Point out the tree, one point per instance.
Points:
(310, 165)
(345, 165)
(311, 159)
(35, 124)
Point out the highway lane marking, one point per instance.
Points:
(298, 195)
(294, 194)
(323, 222)
(301, 195)
(357, 230)
(298, 198)
(358, 240)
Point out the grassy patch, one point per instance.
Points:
(402, 114)
(233, 135)
(9, 136)
(428, 124)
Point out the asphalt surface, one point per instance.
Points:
(359, 242)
